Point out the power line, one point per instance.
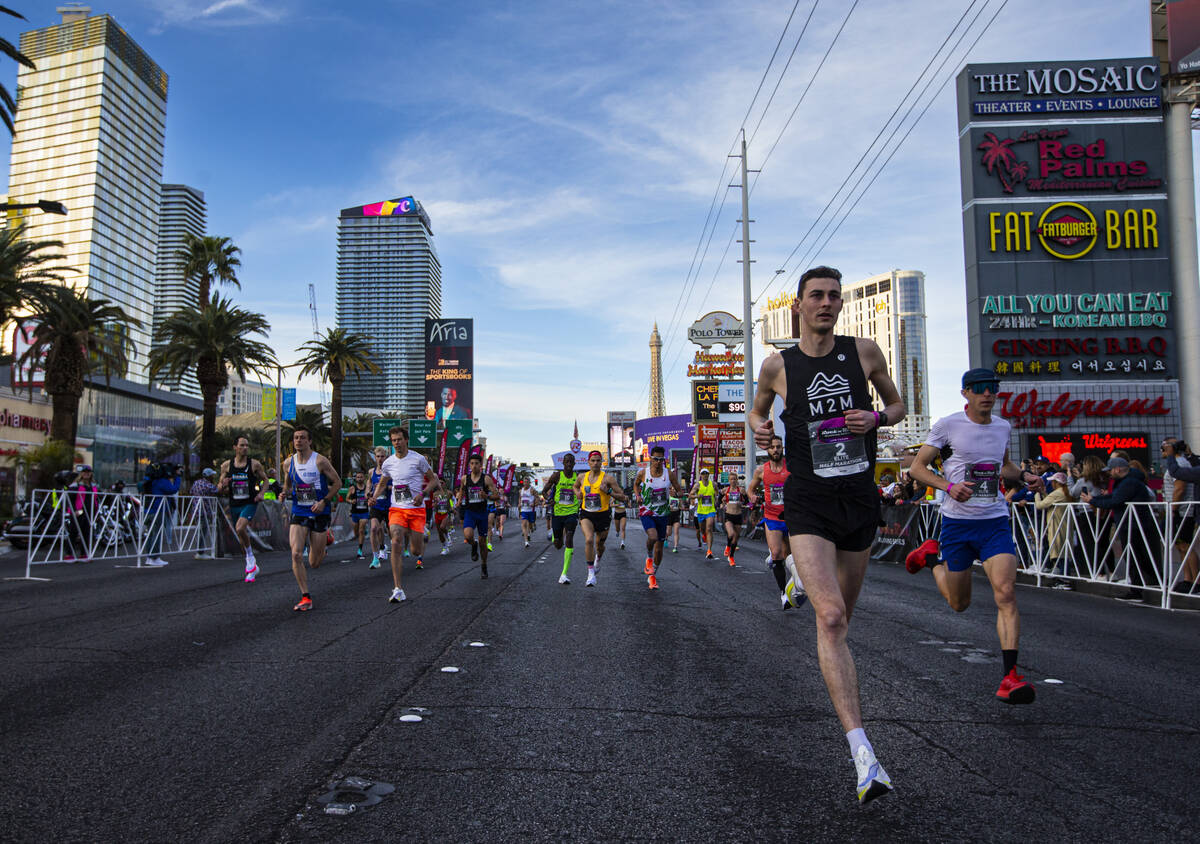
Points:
(783, 72)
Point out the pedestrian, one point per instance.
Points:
(83, 497)
(1129, 488)
(1058, 524)
(162, 486)
(204, 489)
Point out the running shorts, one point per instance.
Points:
(655, 523)
(412, 518)
(963, 541)
(847, 519)
(1187, 529)
(380, 513)
(600, 521)
(733, 518)
(440, 518)
(529, 516)
(700, 518)
(318, 523)
(774, 524)
(562, 526)
(476, 520)
(358, 517)
(242, 511)
(672, 517)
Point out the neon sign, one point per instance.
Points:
(406, 205)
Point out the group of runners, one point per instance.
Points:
(821, 507)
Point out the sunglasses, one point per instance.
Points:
(981, 387)
(656, 457)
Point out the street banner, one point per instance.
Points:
(509, 473)
(441, 461)
(449, 370)
(488, 469)
(898, 535)
(460, 471)
(288, 404)
(268, 404)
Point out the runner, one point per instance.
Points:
(360, 515)
(501, 512)
(975, 523)
(474, 493)
(527, 498)
(619, 517)
(410, 477)
(674, 517)
(652, 489)
(704, 496)
(548, 507)
(831, 503)
(772, 478)
(566, 510)
(596, 489)
(312, 483)
(245, 481)
(379, 511)
(441, 520)
(733, 497)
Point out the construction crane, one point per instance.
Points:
(312, 308)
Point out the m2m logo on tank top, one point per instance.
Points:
(828, 394)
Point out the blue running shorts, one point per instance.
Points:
(964, 541)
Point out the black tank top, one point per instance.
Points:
(243, 486)
(358, 499)
(822, 455)
(476, 498)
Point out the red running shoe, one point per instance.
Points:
(304, 606)
(918, 558)
(652, 582)
(1014, 688)
(649, 568)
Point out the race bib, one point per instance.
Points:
(474, 495)
(566, 496)
(591, 501)
(835, 451)
(526, 501)
(675, 504)
(443, 507)
(306, 494)
(986, 477)
(658, 496)
(241, 488)
(705, 500)
(777, 494)
(401, 495)
(735, 496)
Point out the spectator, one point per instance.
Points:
(888, 488)
(84, 500)
(1066, 461)
(162, 482)
(271, 492)
(203, 487)
(1129, 487)
(1057, 524)
(1180, 465)
(1090, 478)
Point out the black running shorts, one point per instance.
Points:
(318, 523)
(733, 518)
(600, 521)
(848, 519)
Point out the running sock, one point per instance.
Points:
(857, 739)
(567, 554)
(305, 595)
(780, 571)
(1010, 660)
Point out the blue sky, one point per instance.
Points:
(567, 154)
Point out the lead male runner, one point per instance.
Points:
(831, 504)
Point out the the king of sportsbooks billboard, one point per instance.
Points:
(1065, 220)
(449, 370)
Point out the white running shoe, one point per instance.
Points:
(873, 780)
(251, 563)
(550, 535)
(591, 581)
(251, 573)
(397, 596)
(622, 543)
(154, 561)
(444, 551)
(526, 543)
(794, 590)
(562, 578)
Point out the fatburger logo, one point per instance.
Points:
(1067, 230)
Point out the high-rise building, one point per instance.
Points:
(181, 212)
(658, 407)
(389, 279)
(241, 395)
(888, 308)
(90, 130)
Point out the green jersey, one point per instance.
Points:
(566, 502)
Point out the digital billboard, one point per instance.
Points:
(449, 369)
(671, 432)
(620, 437)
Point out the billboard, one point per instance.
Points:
(731, 401)
(704, 401)
(620, 437)
(1183, 36)
(27, 374)
(449, 369)
(671, 432)
(1065, 227)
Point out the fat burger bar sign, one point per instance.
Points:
(1031, 409)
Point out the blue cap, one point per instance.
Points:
(979, 375)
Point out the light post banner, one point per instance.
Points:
(464, 454)
(441, 461)
(269, 406)
(288, 404)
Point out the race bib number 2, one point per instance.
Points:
(836, 452)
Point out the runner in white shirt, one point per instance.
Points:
(411, 478)
(527, 505)
(975, 522)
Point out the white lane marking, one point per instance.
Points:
(449, 669)
(411, 719)
(1053, 682)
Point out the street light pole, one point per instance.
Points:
(747, 317)
(46, 205)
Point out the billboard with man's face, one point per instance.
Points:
(449, 365)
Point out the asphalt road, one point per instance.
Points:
(182, 703)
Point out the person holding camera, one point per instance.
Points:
(162, 484)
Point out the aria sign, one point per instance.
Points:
(717, 328)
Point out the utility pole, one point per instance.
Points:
(747, 316)
(1181, 210)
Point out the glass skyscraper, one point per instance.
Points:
(389, 279)
(91, 124)
(181, 211)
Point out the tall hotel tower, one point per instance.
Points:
(182, 211)
(658, 407)
(389, 279)
(91, 124)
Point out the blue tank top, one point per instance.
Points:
(381, 503)
(308, 485)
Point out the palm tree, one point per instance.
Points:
(338, 354)
(6, 47)
(262, 441)
(208, 259)
(23, 274)
(358, 449)
(74, 337)
(211, 340)
(180, 439)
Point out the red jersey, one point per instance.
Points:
(773, 492)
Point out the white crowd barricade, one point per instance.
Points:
(1148, 546)
(69, 526)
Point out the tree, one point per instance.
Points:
(9, 104)
(309, 416)
(180, 439)
(40, 463)
(23, 271)
(74, 337)
(358, 449)
(262, 442)
(332, 357)
(211, 340)
(208, 259)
